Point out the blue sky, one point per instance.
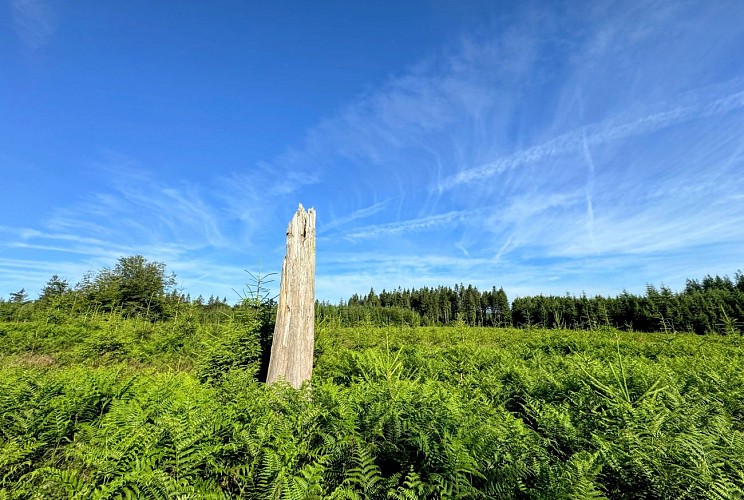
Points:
(546, 147)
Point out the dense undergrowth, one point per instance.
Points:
(106, 407)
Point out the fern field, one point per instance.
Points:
(107, 407)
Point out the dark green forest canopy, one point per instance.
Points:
(135, 286)
(713, 304)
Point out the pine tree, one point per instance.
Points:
(54, 288)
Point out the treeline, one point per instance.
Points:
(136, 287)
(711, 305)
(133, 288)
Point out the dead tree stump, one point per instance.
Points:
(294, 333)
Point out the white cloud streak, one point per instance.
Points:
(139, 210)
(589, 191)
(420, 224)
(361, 213)
(601, 133)
(34, 22)
(550, 152)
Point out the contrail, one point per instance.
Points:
(589, 190)
(420, 224)
(357, 214)
(599, 133)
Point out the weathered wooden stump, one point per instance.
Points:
(294, 333)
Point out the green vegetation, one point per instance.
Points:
(713, 305)
(122, 388)
(108, 407)
(138, 288)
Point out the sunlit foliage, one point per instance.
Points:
(109, 407)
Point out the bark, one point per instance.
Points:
(294, 333)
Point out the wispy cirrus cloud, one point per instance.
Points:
(579, 140)
(550, 149)
(36, 272)
(143, 212)
(555, 154)
(412, 225)
(137, 213)
(356, 215)
(34, 21)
